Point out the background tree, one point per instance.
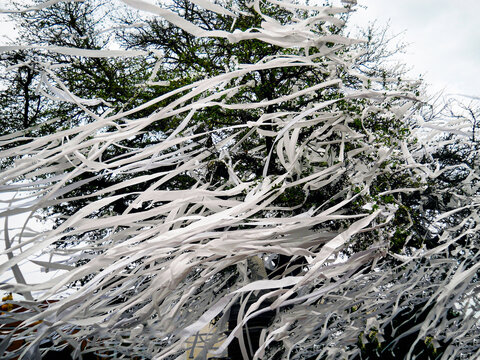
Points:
(254, 132)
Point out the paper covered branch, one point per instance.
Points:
(228, 182)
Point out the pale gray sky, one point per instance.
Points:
(443, 37)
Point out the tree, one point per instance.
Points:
(254, 134)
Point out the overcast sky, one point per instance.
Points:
(443, 37)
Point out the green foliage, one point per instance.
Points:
(178, 59)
